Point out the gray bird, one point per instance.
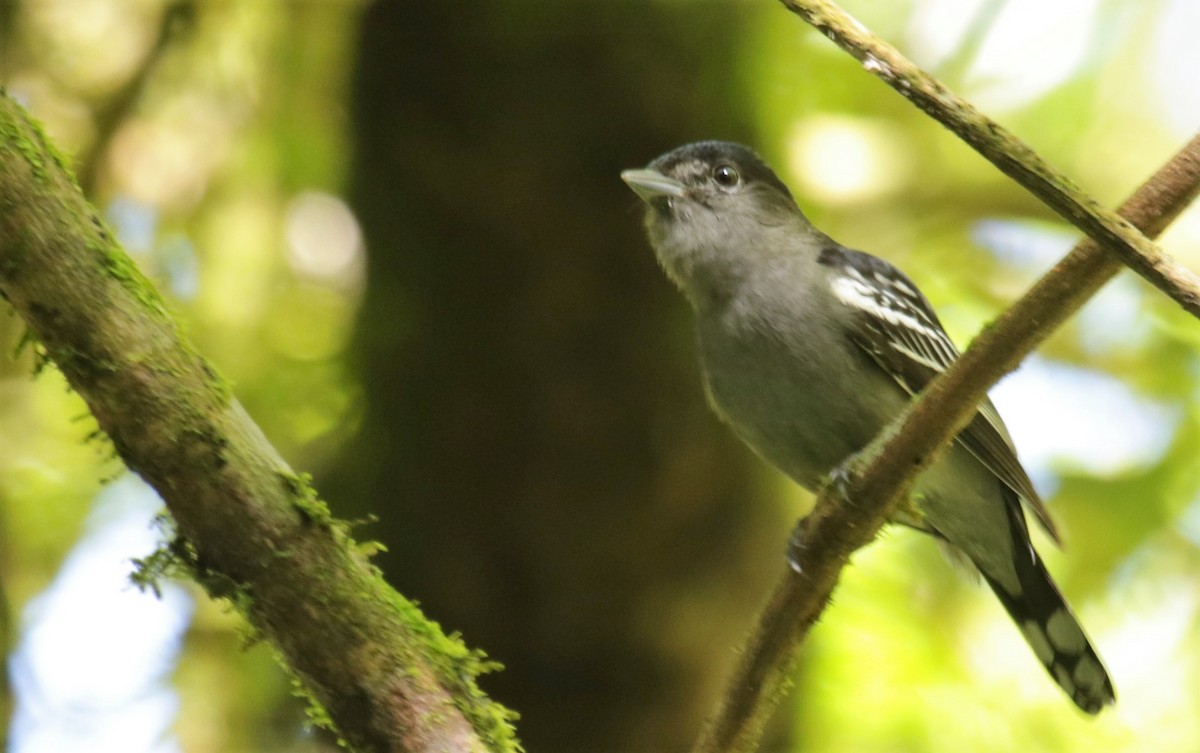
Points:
(808, 349)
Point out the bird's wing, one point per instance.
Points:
(898, 329)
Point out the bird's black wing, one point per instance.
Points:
(898, 329)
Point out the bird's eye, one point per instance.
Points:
(726, 176)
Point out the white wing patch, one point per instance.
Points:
(896, 327)
(911, 332)
(852, 290)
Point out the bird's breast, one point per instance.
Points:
(786, 394)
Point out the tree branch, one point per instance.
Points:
(825, 539)
(1004, 150)
(250, 529)
(878, 479)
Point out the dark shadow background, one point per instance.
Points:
(535, 436)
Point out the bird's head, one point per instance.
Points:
(711, 208)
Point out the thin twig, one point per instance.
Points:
(178, 19)
(1004, 150)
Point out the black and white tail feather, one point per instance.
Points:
(898, 329)
(1049, 626)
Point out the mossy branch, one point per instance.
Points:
(252, 530)
(1004, 150)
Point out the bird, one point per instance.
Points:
(808, 349)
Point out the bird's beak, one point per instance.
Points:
(651, 184)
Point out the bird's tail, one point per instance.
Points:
(1051, 629)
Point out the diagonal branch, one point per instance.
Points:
(251, 529)
(877, 479)
(1004, 150)
(824, 541)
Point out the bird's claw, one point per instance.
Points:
(839, 480)
(796, 547)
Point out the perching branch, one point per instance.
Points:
(825, 539)
(250, 529)
(1004, 150)
(879, 477)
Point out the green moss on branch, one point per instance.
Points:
(248, 528)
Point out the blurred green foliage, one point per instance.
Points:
(487, 272)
